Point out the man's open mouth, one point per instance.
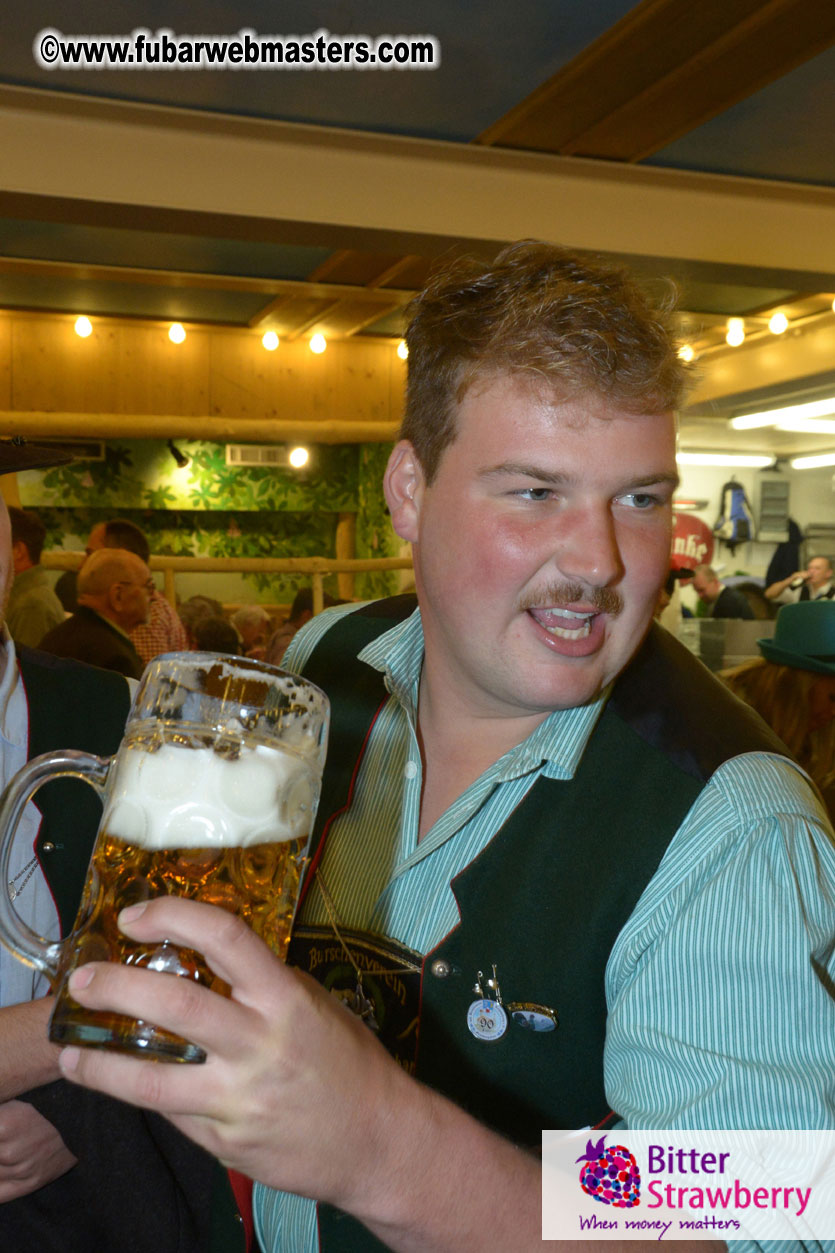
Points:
(566, 624)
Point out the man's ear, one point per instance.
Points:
(20, 556)
(115, 597)
(403, 484)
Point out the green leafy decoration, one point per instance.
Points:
(214, 510)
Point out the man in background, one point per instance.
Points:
(33, 607)
(162, 631)
(813, 583)
(723, 602)
(114, 591)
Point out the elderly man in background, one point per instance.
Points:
(114, 590)
(162, 632)
(33, 607)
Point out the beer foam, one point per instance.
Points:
(180, 797)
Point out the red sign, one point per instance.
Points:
(692, 543)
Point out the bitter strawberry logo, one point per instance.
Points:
(610, 1175)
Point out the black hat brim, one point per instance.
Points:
(22, 454)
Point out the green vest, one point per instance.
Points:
(547, 898)
(78, 707)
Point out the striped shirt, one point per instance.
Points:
(718, 1014)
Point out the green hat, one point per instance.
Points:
(804, 637)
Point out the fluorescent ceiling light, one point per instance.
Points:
(808, 426)
(811, 463)
(775, 417)
(752, 460)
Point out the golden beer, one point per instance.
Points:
(164, 796)
(260, 884)
(212, 797)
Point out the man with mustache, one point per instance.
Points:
(556, 871)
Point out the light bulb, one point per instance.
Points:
(778, 323)
(83, 327)
(318, 343)
(298, 457)
(403, 350)
(176, 332)
(270, 341)
(686, 352)
(736, 332)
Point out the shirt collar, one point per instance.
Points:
(114, 626)
(11, 691)
(556, 745)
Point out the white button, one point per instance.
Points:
(411, 769)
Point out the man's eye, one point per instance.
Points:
(534, 493)
(641, 500)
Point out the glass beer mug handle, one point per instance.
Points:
(45, 955)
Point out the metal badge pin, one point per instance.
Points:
(533, 1017)
(486, 1018)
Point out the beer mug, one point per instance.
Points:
(212, 796)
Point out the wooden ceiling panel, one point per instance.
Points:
(665, 68)
(348, 316)
(768, 44)
(359, 269)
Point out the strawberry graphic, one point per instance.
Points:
(610, 1175)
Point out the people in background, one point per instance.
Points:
(33, 607)
(114, 595)
(162, 632)
(215, 635)
(78, 1172)
(301, 611)
(813, 583)
(722, 602)
(792, 686)
(253, 624)
(195, 610)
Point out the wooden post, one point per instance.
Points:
(318, 593)
(9, 489)
(346, 550)
(169, 589)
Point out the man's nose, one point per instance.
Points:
(588, 548)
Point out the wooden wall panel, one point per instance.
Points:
(133, 368)
(117, 369)
(350, 382)
(156, 376)
(249, 382)
(5, 361)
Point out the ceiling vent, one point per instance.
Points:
(81, 449)
(257, 455)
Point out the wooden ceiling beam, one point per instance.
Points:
(665, 68)
(152, 168)
(39, 425)
(278, 287)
